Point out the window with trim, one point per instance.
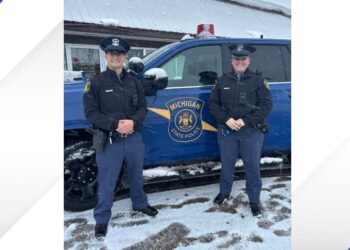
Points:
(140, 52)
(65, 61)
(148, 51)
(88, 58)
(194, 67)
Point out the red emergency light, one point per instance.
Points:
(205, 30)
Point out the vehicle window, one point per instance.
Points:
(159, 51)
(268, 60)
(286, 55)
(175, 68)
(194, 67)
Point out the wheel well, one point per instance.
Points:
(74, 135)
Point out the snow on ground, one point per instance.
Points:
(188, 219)
(162, 171)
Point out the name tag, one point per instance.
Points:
(227, 88)
(109, 90)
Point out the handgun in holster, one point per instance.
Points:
(263, 127)
(225, 130)
(99, 140)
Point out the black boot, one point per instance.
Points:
(150, 211)
(220, 198)
(255, 207)
(100, 231)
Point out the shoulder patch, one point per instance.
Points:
(266, 83)
(87, 87)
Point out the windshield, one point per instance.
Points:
(161, 50)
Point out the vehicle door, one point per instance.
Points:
(178, 127)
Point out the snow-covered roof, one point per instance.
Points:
(282, 6)
(183, 16)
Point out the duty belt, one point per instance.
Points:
(117, 137)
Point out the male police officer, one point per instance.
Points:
(116, 105)
(240, 103)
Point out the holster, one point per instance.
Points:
(225, 130)
(98, 141)
(263, 127)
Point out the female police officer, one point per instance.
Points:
(240, 103)
(114, 102)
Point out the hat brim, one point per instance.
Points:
(114, 48)
(239, 55)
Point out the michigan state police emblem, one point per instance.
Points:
(185, 122)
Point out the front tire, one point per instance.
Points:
(80, 176)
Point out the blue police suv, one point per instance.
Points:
(178, 128)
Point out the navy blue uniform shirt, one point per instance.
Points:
(109, 98)
(246, 96)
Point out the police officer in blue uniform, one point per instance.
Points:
(115, 103)
(240, 102)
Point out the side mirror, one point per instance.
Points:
(136, 65)
(208, 77)
(155, 79)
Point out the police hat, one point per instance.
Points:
(114, 44)
(241, 50)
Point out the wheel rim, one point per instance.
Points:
(80, 176)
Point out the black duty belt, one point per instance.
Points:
(116, 137)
